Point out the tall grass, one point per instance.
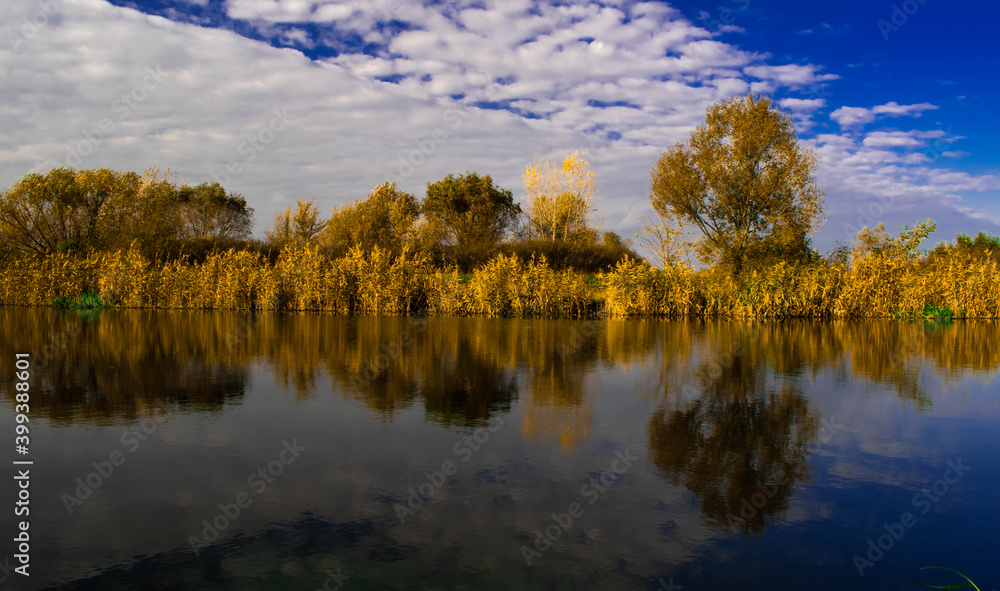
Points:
(379, 283)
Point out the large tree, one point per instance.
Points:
(743, 181)
(473, 214)
(60, 209)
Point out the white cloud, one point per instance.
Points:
(898, 178)
(891, 139)
(789, 75)
(798, 105)
(855, 116)
(896, 110)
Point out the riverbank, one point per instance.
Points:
(303, 279)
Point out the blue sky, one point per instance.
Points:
(321, 99)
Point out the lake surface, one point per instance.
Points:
(188, 450)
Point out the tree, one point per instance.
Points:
(302, 226)
(385, 219)
(742, 180)
(146, 209)
(61, 209)
(878, 242)
(666, 240)
(472, 214)
(211, 213)
(560, 199)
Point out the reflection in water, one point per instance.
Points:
(102, 368)
(728, 411)
(741, 445)
(462, 370)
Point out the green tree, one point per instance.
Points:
(386, 219)
(743, 181)
(472, 214)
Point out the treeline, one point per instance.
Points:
(102, 210)
(463, 221)
(740, 198)
(133, 241)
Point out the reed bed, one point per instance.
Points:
(380, 283)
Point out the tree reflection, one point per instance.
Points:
(121, 364)
(116, 368)
(741, 445)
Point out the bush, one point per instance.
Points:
(583, 256)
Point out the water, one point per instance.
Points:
(222, 451)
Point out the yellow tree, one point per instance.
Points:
(667, 240)
(384, 219)
(302, 226)
(63, 208)
(878, 242)
(744, 182)
(146, 210)
(560, 198)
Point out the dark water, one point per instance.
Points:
(657, 454)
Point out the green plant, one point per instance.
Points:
(83, 301)
(934, 312)
(953, 585)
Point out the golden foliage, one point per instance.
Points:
(379, 282)
(560, 198)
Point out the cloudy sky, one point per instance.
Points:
(324, 99)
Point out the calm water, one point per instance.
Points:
(219, 451)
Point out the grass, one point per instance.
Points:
(83, 301)
(929, 313)
(968, 582)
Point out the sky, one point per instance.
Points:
(282, 100)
